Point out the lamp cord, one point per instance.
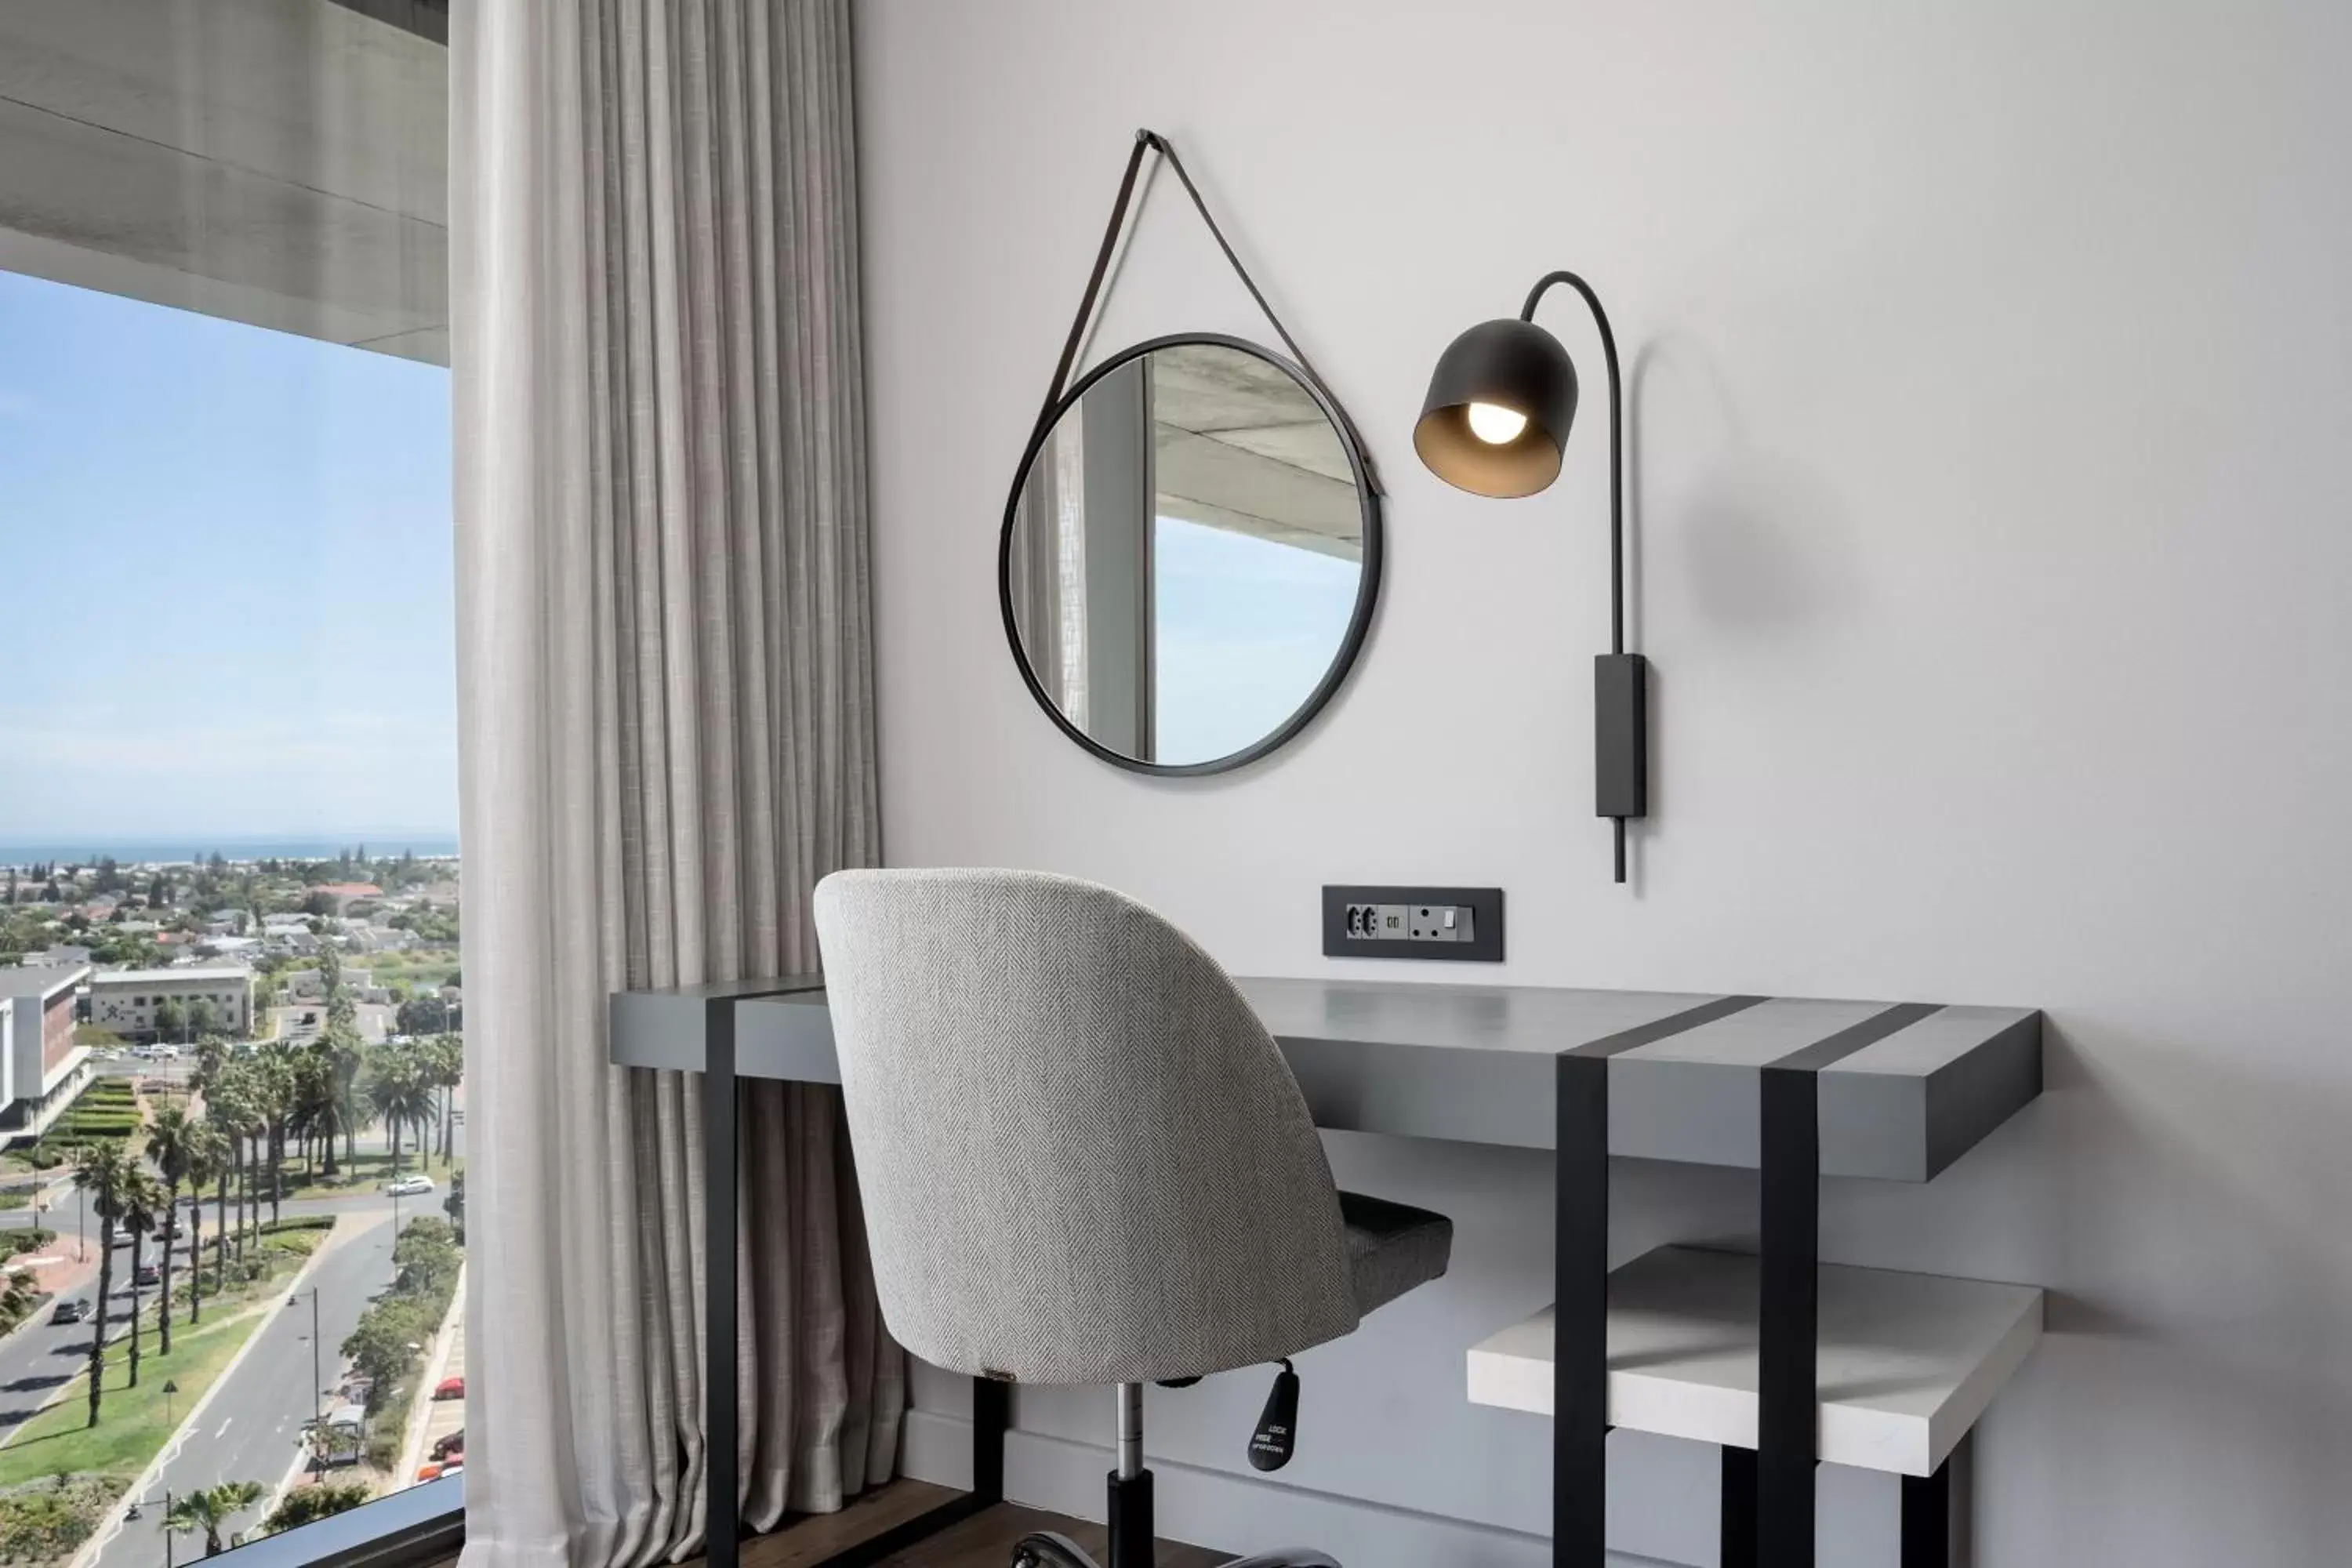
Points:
(1151, 141)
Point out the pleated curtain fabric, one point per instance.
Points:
(667, 714)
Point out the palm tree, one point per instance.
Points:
(205, 1159)
(172, 1142)
(224, 1113)
(273, 1103)
(98, 1172)
(402, 1093)
(141, 1200)
(211, 1509)
(342, 1110)
(446, 1056)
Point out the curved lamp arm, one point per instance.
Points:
(1620, 680)
(1616, 458)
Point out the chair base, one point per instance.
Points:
(1132, 1543)
(1048, 1550)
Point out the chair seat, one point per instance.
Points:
(1391, 1248)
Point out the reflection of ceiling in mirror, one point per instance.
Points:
(1241, 445)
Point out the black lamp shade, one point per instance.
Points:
(1508, 364)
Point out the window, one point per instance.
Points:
(225, 509)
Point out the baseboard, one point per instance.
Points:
(1231, 1512)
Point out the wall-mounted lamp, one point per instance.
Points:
(1500, 404)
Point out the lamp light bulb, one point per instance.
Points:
(1495, 424)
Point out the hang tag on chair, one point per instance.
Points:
(1277, 1428)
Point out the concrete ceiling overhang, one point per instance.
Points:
(280, 163)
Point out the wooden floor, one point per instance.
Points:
(984, 1540)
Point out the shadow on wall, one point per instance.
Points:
(2198, 1345)
(1757, 536)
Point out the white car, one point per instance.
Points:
(409, 1186)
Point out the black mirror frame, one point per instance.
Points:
(1368, 588)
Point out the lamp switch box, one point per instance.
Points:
(1463, 925)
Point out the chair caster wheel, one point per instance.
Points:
(1046, 1550)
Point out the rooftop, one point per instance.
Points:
(41, 979)
(235, 972)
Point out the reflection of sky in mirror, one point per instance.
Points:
(1246, 629)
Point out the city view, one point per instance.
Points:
(232, 1114)
(232, 1080)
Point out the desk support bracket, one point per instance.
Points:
(991, 1402)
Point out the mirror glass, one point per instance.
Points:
(1189, 556)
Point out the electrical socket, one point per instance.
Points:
(1441, 922)
(1459, 923)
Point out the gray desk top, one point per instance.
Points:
(1474, 1063)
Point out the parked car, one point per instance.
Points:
(409, 1186)
(120, 1235)
(146, 1276)
(449, 1388)
(72, 1312)
(454, 1443)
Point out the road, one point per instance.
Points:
(253, 1428)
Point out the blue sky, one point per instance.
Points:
(1246, 629)
(228, 602)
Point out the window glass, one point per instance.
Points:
(232, 1113)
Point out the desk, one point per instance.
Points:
(1794, 1089)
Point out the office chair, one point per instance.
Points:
(1082, 1158)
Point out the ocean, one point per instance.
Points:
(134, 851)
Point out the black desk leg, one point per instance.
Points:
(720, 1109)
(1736, 1536)
(1579, 1432)
(1928, 1518)
(1788, 1319)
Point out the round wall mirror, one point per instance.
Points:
(1190, 556)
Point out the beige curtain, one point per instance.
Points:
(667, 712)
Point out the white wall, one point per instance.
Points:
(1994, 366)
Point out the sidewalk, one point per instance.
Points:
(431, 1419)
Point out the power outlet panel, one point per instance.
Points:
(1457, 924)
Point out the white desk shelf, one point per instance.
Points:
(1907, 1361)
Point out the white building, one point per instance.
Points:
(127, 1001)
(40, 1065)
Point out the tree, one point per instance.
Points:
(308, 1505)
(202, 1019)
(400, 1092)
(141, 1202)
(99, 1171)
(445, 1065)
(171, 1019)
(379, 1345)
(173, 1144)
(18, 1297)
(211, 1509)
(425, 1016)
(425, 1258)
(226, 1114)
(274, 1101)
(205, 1162)
(338, 1107)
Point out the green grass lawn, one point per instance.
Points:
(369, 1172)
(131, 1421)
(133, 1425)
